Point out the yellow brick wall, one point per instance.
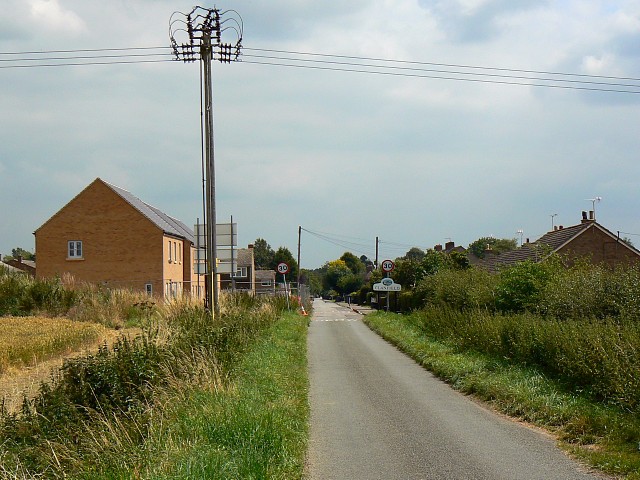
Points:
(120, 246)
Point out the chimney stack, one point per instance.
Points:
(449, 246)
(438, 248)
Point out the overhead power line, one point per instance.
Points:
(336, 63)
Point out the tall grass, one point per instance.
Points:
(600, 357)
(25, 341)
(100, 415)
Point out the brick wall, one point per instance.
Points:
(120, 246)
(600, 247)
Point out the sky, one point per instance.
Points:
(348, 156)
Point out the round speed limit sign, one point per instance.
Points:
(283, 268)
(387, 266)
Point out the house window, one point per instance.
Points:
(240, 272)
(74, 249)
(266, 283)
(170, 257)
(180, 253)
(149, 289)
(175, 252)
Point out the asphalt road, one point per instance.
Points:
(376, 414)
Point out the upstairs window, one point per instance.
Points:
(241, 272)
(74, 249)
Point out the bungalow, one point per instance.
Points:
(108, 236)
(588, 239)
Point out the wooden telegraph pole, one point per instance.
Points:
(204, 28)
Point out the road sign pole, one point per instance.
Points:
(286, 290)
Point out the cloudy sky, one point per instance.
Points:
(349, 156)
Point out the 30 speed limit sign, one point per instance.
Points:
(387, 266)
(283, 268)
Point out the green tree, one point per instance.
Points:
(313, 278)
(407, 272)
(20, 252)
(415, 254)
(283, 254)
(520, 285)
(263, 254)
(349, 283)
(498, 245)
(335, 270)
(354, 263)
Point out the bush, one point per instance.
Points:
(599, 357)
(457, 289)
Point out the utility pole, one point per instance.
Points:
(377, 241)
(204, 28)
(299, 238)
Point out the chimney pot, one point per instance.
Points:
(584, 215)
(555, 228)
(592, 215)
(560, 227)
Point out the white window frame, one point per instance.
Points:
(241, 272)
(75, 250)
(265, 283)
(149, 289)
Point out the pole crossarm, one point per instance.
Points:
(206, 26)
(202, 30)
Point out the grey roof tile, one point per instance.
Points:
(163, 221)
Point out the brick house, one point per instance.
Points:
(265, 282)
(108, 236)
(26, 266)
(588, 239)
(244, 277)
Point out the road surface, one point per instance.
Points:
(376, 414)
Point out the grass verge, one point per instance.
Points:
(254, 427)
(605, 437)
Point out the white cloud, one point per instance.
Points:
(50, 14)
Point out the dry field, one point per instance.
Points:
(32, 347)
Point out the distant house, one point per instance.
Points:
(244, 276)
(265, 282)
(26, 266)
(106, 235)
(588, 239)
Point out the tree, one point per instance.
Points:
(349, 283)
(415, 254)
(497, 245)
(20, 252)
(407, 272)
(354, 263)
(336, 269)
(263, 254)
(283, 254)
(312, 278)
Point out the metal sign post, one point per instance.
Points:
(283, 268)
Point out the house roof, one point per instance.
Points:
(163, 221)
(265, 275)
(550, 242)
(10, 268)
(245, 257)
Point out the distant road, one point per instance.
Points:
(376, 414)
